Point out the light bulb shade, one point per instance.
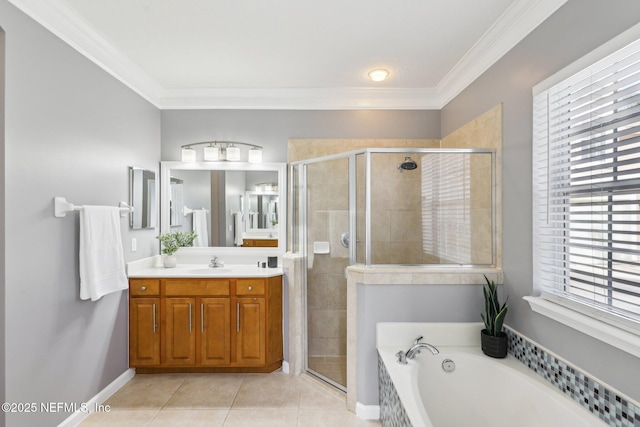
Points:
(188, 154)
(255, 155)
(211, 154)
(378, 75)
(233, 153)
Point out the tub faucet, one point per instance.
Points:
(215, 262)
(415, 349)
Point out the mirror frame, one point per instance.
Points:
(280, 168)
(132, 203)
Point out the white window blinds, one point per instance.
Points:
(446, 203)
(586, 186)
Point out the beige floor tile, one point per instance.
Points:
(313, 396)
(206, 391)
(190, 417)
(146, 391)
(269, 391)
(267, 417)
(330, 418)
(120, 418)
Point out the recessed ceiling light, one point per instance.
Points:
(378, 75)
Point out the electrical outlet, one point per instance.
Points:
(134, 244)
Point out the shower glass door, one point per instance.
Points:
(327, 249)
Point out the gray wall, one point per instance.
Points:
(72, 130)
(272, 129)
(574, 30)
(2, 227)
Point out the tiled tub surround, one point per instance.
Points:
(612, 408)
(607, 404)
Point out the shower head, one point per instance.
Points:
(407, 165)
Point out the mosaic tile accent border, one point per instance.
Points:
(392, 413)
(600, 401)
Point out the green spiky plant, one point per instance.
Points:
(494, 313)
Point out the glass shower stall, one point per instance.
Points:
(383, 206)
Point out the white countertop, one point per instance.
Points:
(203, 270)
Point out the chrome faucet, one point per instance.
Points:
(415, 349)
(215, 262)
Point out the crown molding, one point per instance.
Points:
(303, 99)
(520, 19)
(512, 26)
(57, 17)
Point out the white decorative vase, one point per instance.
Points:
(169, 261)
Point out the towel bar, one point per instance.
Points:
(186, 211)
(61, 207)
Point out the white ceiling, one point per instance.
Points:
(292, 53)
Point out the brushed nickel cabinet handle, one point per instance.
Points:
(238, 317)
(154, 319)
(201, 317)
(143, 288)
(250, 288)
(190, 319)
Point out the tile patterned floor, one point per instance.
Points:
(225, 400)
(332, 367)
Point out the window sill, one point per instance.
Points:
(588, 323)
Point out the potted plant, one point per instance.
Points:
(492, 339)
(171, 242)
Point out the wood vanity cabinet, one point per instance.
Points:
(144, 309)
(206, 325)
(260, 243)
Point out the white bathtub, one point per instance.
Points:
(480, 392)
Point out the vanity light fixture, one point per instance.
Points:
(233, 153)
(255, 155)
(378, 75)
(188, 154)
(222, 150)
(211, 153)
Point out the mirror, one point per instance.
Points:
(228, 204)
(142, 197)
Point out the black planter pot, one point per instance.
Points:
(494, 346)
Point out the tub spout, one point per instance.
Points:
(416, 349)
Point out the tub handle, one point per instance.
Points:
(402, 357)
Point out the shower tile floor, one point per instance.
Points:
(226, 400)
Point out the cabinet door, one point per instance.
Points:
(179, 333)
(215, 330)
(250, 331)
(144, 336)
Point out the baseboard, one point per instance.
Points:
(368, 412)
(285, 366)
(98, 399)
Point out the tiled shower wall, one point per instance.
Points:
(328, 219)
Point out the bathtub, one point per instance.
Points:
(474, 390)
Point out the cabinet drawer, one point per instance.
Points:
(144, 287)
(195, 287)
(250, 287)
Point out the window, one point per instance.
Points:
(586, 189)
(446, 207)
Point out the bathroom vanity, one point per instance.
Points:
(186, 322)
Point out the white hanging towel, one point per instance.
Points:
(101, 256)
(199, 218)
(237, 229)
